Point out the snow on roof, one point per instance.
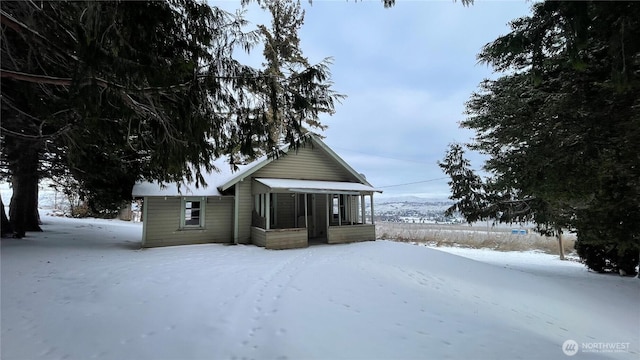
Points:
(315, 186)
(213, 179)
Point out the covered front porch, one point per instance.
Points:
(294, 213)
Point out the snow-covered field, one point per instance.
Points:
(83, 289)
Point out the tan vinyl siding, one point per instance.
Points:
(219, 218)
(287, 239)
(307, 163)
(259, 236)
(258, 188)
(162, 224)
(163, 219)
(245, 210)
(351, 233)
(280, 239)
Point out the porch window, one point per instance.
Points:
(342, 208)
(335, 208)
(192, 215)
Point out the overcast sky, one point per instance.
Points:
(407, 72)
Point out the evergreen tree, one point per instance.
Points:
(561, 129)
(467, 188)
(117, 92)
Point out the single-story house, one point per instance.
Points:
(307, 195)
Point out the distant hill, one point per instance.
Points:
(413, 209)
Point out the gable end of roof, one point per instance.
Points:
(260, 163)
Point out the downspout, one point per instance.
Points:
(236, 214)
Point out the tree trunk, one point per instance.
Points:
(560, 243)
(23, 210)
(6, 225)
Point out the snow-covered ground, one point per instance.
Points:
(83, 289)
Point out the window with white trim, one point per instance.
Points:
(193, 209)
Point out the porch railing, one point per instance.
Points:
(352, 233)
(280, 238)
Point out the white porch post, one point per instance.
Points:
(364, 219)
(372, 213)
(267, 204)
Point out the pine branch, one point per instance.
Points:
(19, 27)
(62, 81)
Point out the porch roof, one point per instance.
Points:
(316, 186)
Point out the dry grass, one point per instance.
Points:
(477, 237)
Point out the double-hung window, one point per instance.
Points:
(193, 212)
